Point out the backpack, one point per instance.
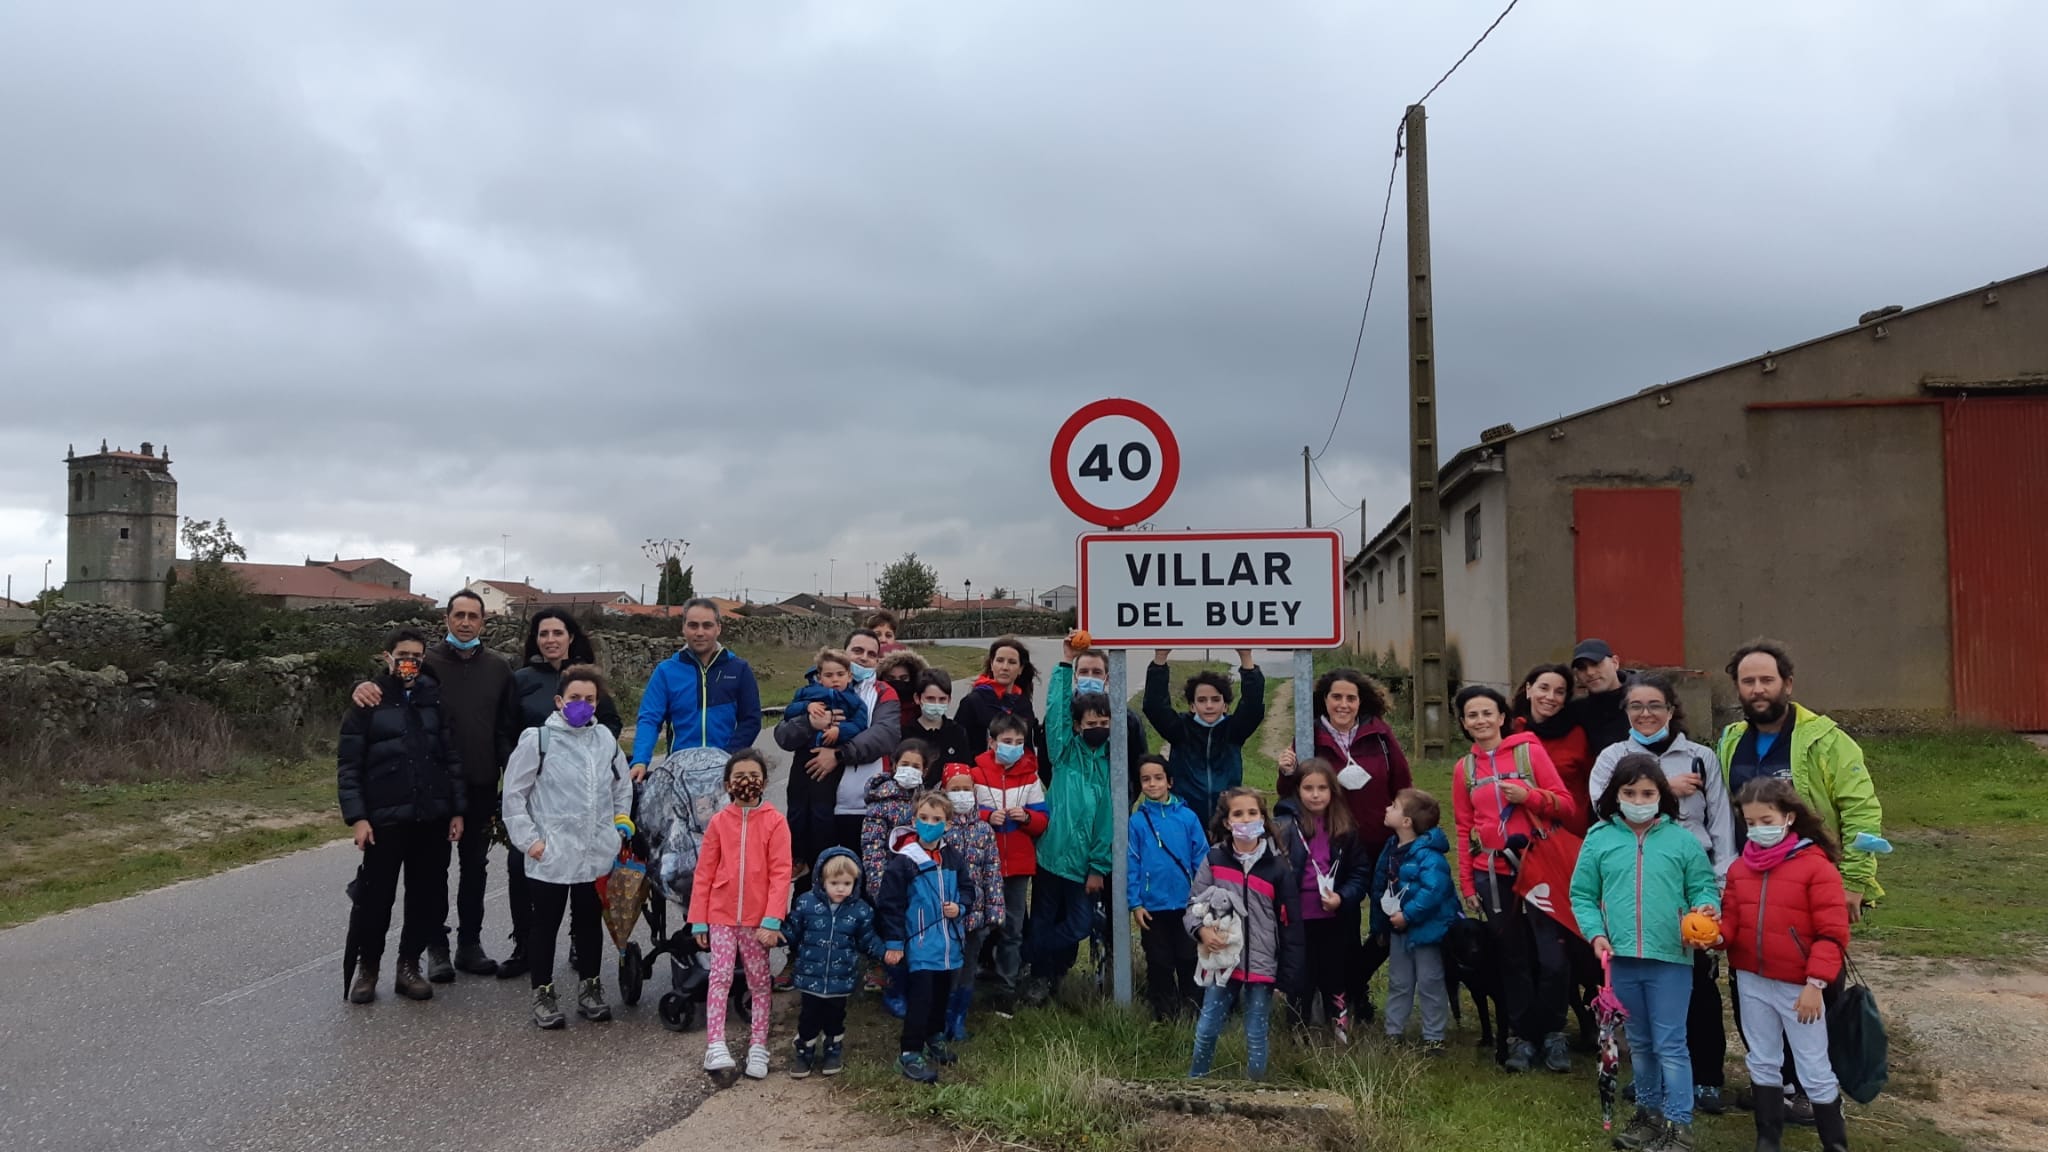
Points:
(1857, 1045)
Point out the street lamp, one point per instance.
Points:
(46, 575)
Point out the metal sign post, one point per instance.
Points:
(1304, 705)
(1120, 822)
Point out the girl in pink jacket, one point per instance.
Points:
(737, 902)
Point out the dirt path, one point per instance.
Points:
(1277, 733)
(1981, 1032)
(779, 1113)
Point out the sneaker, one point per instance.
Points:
(470, 958)
(514, 965)
(439, 971)
(785, 980)
(1557, 1052)
(1676, 1138)
(757, 1062)
(547, 1012)
(801, 1063)
(1340, 1024)
(1644, 1128)
(1521, 1056)
(590, 1002)
(409, 983)
(913, 1067)
(1433, 1049)
(936, 1049)
(829, 1064)
(876, 980)
(364, 988)
(1798, 1109)
(1706, 1099)
(717, 1058)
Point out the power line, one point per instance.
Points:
(1469, 51)
(1327, 488)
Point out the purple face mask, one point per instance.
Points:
(578, 712)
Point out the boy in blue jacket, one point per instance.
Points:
(831, 684)
(1167, 845)
(919, 914)
(1415, 899)
(827, 932)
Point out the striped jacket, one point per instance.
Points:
(1268, 899)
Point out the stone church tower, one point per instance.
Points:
(124, 527)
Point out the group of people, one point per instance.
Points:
(952, 843)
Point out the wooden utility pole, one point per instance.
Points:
(1308, 503)
(1432, 709)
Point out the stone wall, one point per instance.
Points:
(95, 635)
(61, 699)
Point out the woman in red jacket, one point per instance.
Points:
(1539, 709)
(1785, 923)
(1505, 794)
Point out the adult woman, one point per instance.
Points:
(1693, 772)
(899, 670)
(1540, 708)
(1504, 793)
(1353, 735)
(1005, 685)
(554, 643)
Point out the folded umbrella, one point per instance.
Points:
(1608, 1010)
(625, 891)
(352, 948)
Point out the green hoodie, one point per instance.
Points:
(1077, 836)
(1828, 772)
(1635, 889)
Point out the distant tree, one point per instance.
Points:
(210, 542)
(674, 583)
(908, 584)
(688, 589)
(212, 613)
(1001, 593)
(49, 598)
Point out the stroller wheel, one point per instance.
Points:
(676, 1011)
(631, 973)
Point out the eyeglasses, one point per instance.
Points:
(1651, 709)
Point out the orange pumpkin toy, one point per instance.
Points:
(1079, 640)
(1699, 930)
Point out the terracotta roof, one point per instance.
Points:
(354, 565)
(581, 597)
(519, 592)
(301, 582)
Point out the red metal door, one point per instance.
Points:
(1629, 572)
(1996, 460)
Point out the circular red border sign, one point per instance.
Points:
(1162, 489)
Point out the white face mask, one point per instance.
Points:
(1390, 902)
(1353, 777)
(908, 777)
(1639, 813)
(1767, 835)
(963, 802)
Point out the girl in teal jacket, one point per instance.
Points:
(1638, 875)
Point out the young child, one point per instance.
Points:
(1007, 791)
(737, 903)
(890, 796)
(1414, 900)
(828, 931)
(1267, 899)
(831, 684)
(967, 832)
(1074, 861)
(1166, 846)
(567, 821)
(1638, 874)
(1785, 924)
(1332, 871)
(932, 700)
(924, 894)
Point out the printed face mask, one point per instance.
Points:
(1767, 835)
(930, 830)
(963, 802)
(579, 712)
(407, 668)
(744, 791)
(909, 776)
(1095, 737)
(1089, 684)
(1009, 754)
(933, 711)
(1639, 813)
(1248, 829)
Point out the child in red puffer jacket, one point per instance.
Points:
(1785, 924)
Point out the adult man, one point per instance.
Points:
(1597, 707)
(482, 711)
(705, 694)
(827, 801)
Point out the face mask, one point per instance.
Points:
(1208, 723)
(744, 792)
(407, 668)
(963, 802)
(578, 712)
(1095, 737)
(1248, 829)
(1767, 835)
(1640, 813)
(862, 673)
(1652, 738)
(930, 830)
(908, 777)
(1353, 777)
(1089, 684)
(463, 645)
(1390, 902)
(933, 711)
(1008, 754)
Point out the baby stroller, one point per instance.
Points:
(673, 807)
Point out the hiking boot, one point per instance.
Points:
(409, 984)
(470, 958)
(1676, 1138)
(829, 1064)
(364, 988)
(1834, 1130)
(1557, 1052)
(806, 1057)
(717, 1057)
(514, 965)
(1798, 1109)
(547, 1012)
(1706, 1099)
(935, 1049)
(1340, 1024)
(757, 1062)
(1642, 1130)
(1521, 1056)
(1433, 1049)
(913, 1067)
(438, 969)
(1770, 1119)
(590, 1001)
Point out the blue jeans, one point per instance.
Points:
(1258, 1007)
(1657, 995)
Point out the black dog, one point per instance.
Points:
(1468, 961)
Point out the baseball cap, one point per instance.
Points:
(1595, 650)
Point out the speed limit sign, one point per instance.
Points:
(1115, 462)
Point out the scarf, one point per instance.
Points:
(1655, 748)
(1555, 728)
(1000, 691)
(1764, 859)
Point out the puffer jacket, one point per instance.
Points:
(538, 683)
(565, 787)
(828, 939)
(845, 701)
(1789, 923)
(976, 843)
(888, 812)
(1268, 904)
(743, 870)
(996, 791)
(1207, 760)
(1634, 889)
(1419, 874)
(1078, 838)
(1166, 845)
(1372, 746)
(1484, 821)
(396, 763)
(988, 700)
(910, 915)
(1707, 813)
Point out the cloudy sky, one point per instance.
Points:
(806, 282)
